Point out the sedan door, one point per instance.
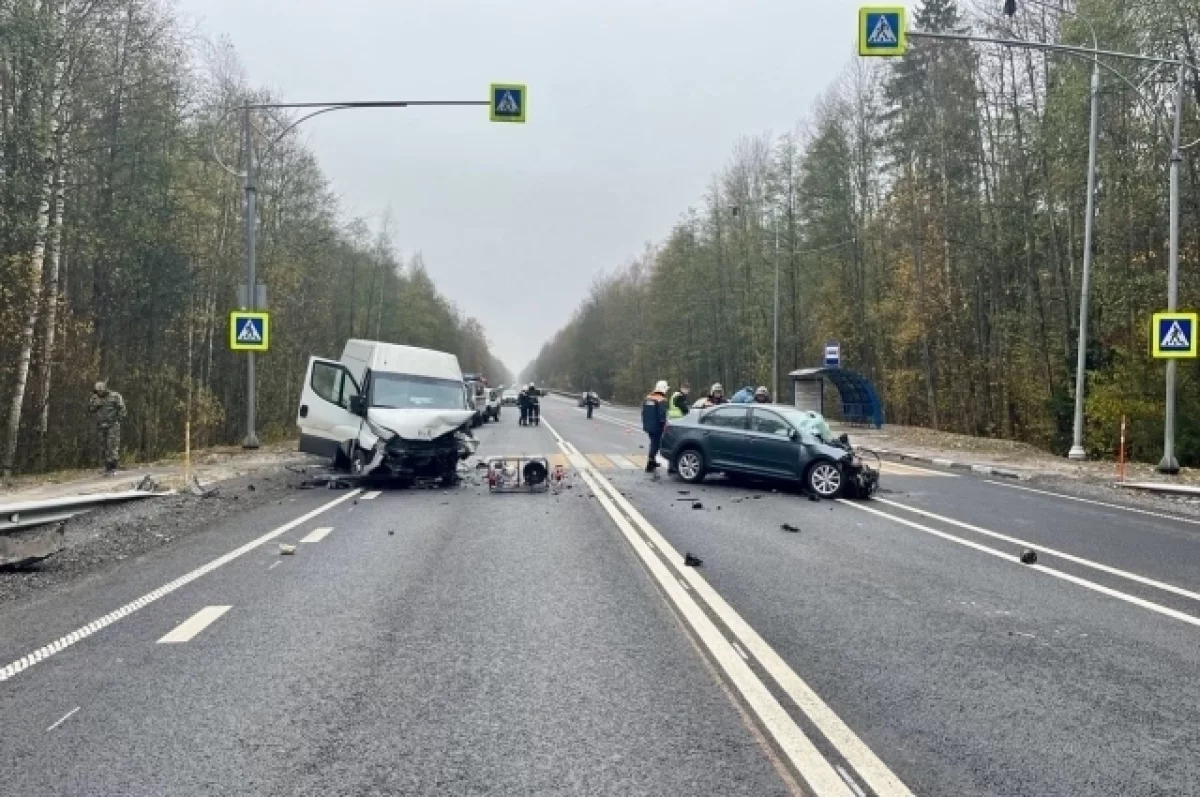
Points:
(775, 449)
(324, 416)
(724, 434)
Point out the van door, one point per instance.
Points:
(324, 417)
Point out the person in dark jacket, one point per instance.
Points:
(654, 420)
(591, 401)
(523, 405)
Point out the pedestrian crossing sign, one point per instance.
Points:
(249, 331)
(882, 31)
(508, 102)
(1173, 336)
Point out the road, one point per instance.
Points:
(456, 642)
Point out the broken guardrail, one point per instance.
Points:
(19, 545)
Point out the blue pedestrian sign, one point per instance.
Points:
(833, 354)
(882, 31)
(1173, 336)
(507, 101)
(249, 331)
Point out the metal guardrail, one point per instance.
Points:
(27, 514)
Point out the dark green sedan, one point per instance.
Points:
(770, 441)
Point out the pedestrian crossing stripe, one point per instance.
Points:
(567, 462)
(249, 331)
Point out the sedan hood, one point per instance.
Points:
(418, 424)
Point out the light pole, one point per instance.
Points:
(1077, 451)
(775, 346)
(249, 184)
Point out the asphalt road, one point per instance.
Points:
(456, 642)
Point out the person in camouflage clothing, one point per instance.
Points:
(109, 409)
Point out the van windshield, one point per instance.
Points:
(405, 391)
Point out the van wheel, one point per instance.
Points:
(690, 465)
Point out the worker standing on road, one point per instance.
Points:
(716, 395)
(523, 405)
(591, 400)
(679, 402)
(762, 395)
(654, 420)
(109, 409)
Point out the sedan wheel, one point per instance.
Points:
(825, 479)
(690, 465)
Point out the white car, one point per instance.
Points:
(385, 409)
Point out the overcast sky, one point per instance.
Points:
(633, 104)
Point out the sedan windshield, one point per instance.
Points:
(809, 423)
(403, 391)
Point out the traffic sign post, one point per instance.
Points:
(1173, 336)
(833, 354)
(249, 331)
(508, 102)
(882, 30)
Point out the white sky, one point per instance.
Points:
(633, 104)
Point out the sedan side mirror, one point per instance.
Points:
(793, 434)
(358, 406)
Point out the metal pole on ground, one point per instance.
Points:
(1169, 464)
(251, 440)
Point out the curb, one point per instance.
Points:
(984, 470)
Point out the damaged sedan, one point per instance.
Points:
(771, 441)
(387, 411)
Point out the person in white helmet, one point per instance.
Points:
(654, 421)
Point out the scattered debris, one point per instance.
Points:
(789, 527)
(756, 497)
(814, 497)
(250, 487)
(691, 560)
(198, 490)
(1028, 557)
(147, 484)
(684, 492)
(391, 532)
(697, 505)
(286, 549)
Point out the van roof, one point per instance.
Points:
(394, 358)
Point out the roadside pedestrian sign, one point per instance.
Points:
(882, 30)
(508, 102)
(1173, 336)
(833, 354)
(249, 331)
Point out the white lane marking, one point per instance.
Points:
(578, 461)
(620, 422)
(900, 468)
(62, 719)
(1125, 574)
(799, 749)
(187, 630)
(371, 495)
(621, 462)
(316, 535)
(1163, 515)
(683, 584)
(850, 782)
(1083, 582)
(45, 652)
(275, 565)
(740, 652)
(877, 775)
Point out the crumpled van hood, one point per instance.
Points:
(413, 424)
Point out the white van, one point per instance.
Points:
(385, 409)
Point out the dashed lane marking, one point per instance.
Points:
(45, 652)
(622, 463)
(189, 628)
(371, 495)
(600, 461)
(63, 719)
(316, 535)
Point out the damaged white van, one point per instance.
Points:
(387, 411)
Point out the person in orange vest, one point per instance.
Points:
(654, 420)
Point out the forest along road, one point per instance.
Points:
(452, 642)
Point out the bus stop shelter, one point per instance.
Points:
(860, 402)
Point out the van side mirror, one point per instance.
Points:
(358, 406)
